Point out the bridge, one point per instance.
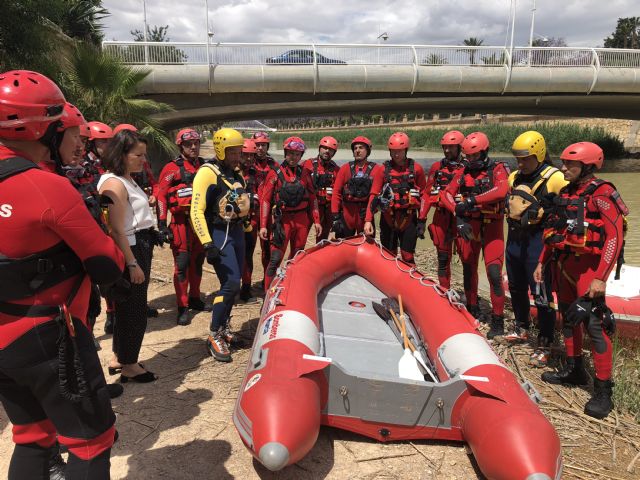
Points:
(236, 81)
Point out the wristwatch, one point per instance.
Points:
(132, 264)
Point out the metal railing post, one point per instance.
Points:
(415, 69)
(509, 66)
(596, 69)
(315, 68)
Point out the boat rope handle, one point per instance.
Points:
(451, 295)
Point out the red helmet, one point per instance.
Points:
(124, 126)
(29, 103)
(329, 142)
(361, 139)
(99, 130)
(85, 131)
(294, 143)
(186, 134)
(249, 146)
(452, 137)
(584, 152)
(261, 137)
(71, 117)
(398, 141)
(475, 142)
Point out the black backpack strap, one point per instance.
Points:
(352, 167)
(594, 185)
(387, 172)
(15, 165)
(367, 172)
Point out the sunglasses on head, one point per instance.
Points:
(295, 146)
(54, 110)
(190, 136)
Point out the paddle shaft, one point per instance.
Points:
(408, 343)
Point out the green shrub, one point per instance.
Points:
(557, 135)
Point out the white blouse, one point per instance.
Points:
(138, 215)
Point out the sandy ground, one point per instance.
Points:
(180, 426)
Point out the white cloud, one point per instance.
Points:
(583, 23)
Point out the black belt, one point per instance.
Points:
(17, 310)
(146, 231)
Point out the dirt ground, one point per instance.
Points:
(180, 426)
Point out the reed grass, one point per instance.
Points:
(557, 135)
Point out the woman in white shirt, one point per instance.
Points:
(132, 223)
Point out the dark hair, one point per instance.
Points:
(120, 145)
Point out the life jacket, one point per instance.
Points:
(442, 178)
(181, 189)
(483, 182)
(251, 186)
(322, 181)
(232, 202)
(573, 227)
(402, 186)
(143, 180)
(291, 194)
(523, 206)
(261, 173)
(24, 277)
(93, 164)
(96, 203)
(358, 187)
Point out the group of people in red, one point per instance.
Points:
(58, 254)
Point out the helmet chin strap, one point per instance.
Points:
(480, 162)
(52, 140)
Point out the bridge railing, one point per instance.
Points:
(186, 53)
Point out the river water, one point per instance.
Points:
(623, 173)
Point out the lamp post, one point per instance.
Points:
(146, 47)
(513, 27)
(384, 36)
(533, 20)
(209, 32)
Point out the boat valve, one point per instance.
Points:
(384, 432)
(344, 391)
(440, 405)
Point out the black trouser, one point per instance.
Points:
(521, 255)
(406, 239)
(30, 394)
(131, 315)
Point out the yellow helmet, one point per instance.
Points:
(225, 138)
(530, 143)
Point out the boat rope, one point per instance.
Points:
(412, 270)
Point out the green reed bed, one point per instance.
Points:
(626, 375)
(557, 135)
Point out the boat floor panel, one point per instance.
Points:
(354, 335)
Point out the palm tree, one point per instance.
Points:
(105, 89)
(81, 20)
(472, 42)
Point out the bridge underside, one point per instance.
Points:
(198, 108)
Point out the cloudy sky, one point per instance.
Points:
(583, 23)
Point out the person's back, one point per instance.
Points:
(50, 251)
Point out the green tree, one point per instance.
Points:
(104, 89)
(472, 42)
(81, 20)
(549, 42)
(626, 34)
(34, 34)
(434, 59)
(157, 54)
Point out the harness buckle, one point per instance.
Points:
(68, 320)
(44, 265)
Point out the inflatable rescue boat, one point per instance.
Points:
(623, 298)
(327, 353)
